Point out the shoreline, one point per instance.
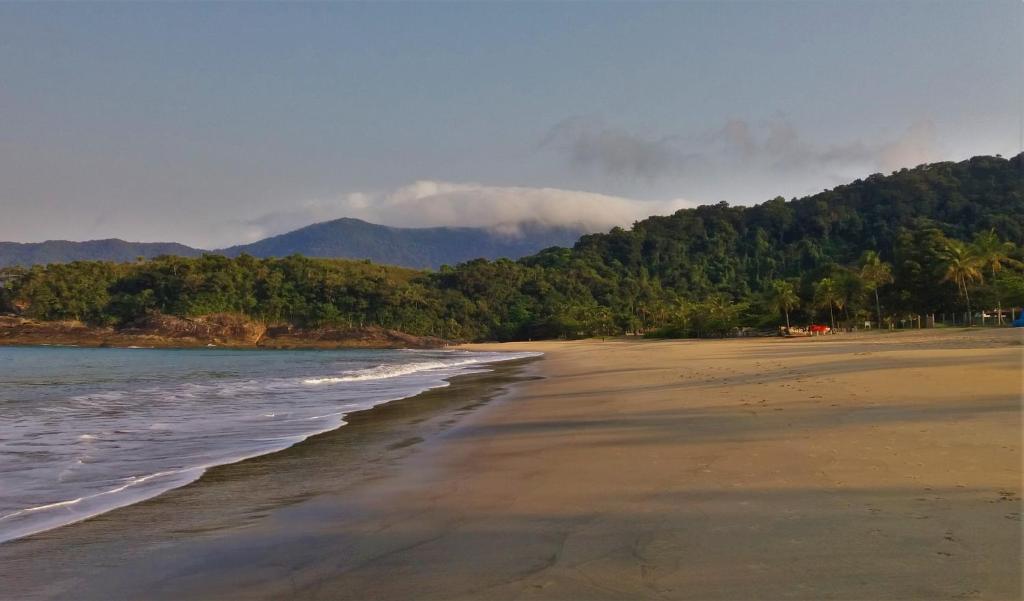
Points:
(879, 467)
(374, 338)
(495, 372)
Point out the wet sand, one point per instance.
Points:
(882, 466)
(102, 557)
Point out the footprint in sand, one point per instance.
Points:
(1005, 495)
(408, 442)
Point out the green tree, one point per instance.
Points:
(962, 266)
(851, 290)
(784, 298)
(826, 295)
(875, 273)
(992, 253)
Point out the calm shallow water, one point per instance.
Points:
(83, 431)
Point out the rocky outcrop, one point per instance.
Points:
(18, 330)
(219, 328)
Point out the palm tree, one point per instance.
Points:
(784, 298)
(993, 253)
(875, 273)
(961, 266)
(826, 294)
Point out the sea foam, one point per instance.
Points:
(90, 430)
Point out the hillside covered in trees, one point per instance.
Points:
(940, 238)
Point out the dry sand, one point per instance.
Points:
(848, 467)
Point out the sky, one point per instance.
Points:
(213, 124)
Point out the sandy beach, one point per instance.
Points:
(876, 466)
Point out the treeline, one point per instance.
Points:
(939, 238)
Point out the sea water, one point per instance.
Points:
(83, 431)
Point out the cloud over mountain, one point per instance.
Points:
(428, 203)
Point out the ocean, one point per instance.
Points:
(84, 431)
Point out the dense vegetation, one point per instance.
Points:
(941, 238)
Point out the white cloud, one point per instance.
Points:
(429, 203)
(741, 162)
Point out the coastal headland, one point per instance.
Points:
(874, 466)
(224, 330)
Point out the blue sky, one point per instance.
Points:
(218, 123)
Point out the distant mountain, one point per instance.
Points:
(64, 251)
(341, 238)
(408, 247)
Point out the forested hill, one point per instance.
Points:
(428, 247)
(737, 249)
(932, 239)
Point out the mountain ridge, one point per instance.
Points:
(26, 254)
(426, 247)
(345, 238)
